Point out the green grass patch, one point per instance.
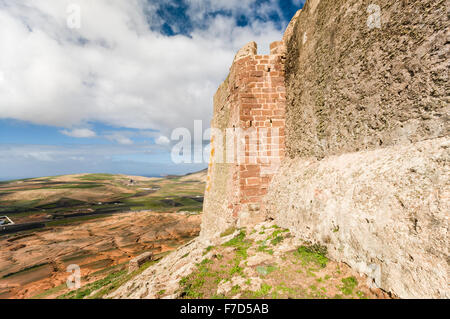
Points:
(106, 285)
(62, 203)
(191, 287)
(161, 292)
(154, 203)
(87, 290)
(276, 240)
(74, 186)
(236, 269)
(348, 285)
(192, 284)
(207, 250)
(277, 236)
(14, 207)
(228, 232)
(236, 241)
(49, 292)
(312, 254)
(240, 243)
(235, 289)
(284, 289)
(263, 291)
(264, 248)
(97, 177)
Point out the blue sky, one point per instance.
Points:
(104, 96)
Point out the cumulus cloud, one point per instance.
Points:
(115, 69)
(119, 72)
(80, 133)
(162, 140)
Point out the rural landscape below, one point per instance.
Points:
(98, 221)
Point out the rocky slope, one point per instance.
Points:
(264, 262)
(383, 212)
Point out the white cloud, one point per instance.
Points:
(162, 140)
(39, 156)
(80, 133)
(113, 69)
(123, 138)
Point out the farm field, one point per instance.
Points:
(96, 221)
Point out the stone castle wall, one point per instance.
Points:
(354, 85)
(366, 172)
(363, 162)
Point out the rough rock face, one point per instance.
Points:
(353, 86)
(274, 269)
(367, 136)
(218, 186)
(383, 212)
(166, 275)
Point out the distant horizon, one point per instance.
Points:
(19, 178)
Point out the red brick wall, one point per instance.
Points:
(257, 99)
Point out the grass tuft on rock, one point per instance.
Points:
(228, 232)
(312, 254)
(348, 285)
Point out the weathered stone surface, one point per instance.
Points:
(352, 87)
(167, 273)
(290, 28)
(384, 212)
(257, 259)
(164, 275)
(251, 283)
(138, 261)
(247, 50)
(219, 190)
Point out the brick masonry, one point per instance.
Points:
(250, 108)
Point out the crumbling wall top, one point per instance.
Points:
(290, 28)
(249, 49)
